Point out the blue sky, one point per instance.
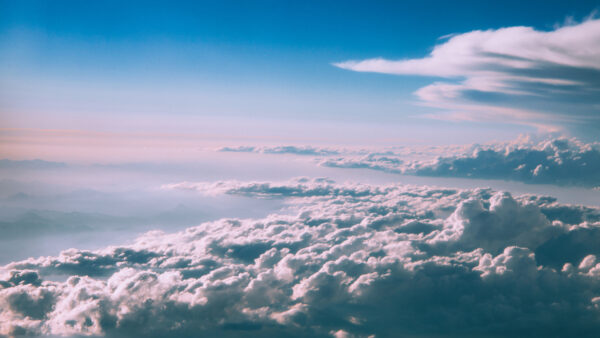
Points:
(151, 66)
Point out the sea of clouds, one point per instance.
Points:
(340, 259)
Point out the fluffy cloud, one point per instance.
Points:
(558, 161)
(518, 74)
(340, 260)
(554, 161)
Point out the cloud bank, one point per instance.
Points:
(554, 161)
(342, 260)
(558, 161)
(513, 74)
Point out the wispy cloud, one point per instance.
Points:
(513, 74)
(31, 164)
(295, 150)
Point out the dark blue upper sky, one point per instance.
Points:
(348, 28)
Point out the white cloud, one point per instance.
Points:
(553, 161)
(513, 74)
(342, 260)
(298, 187)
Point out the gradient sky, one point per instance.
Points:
(232, 71)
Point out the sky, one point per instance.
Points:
(299, 168)
(263, 71)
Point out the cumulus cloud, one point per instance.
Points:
(513, 74)
(343, 260)
(554, 161)
(557, 161)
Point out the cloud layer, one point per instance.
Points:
(31, 164)
(341, 260)
(513, 74)
(553, 161)
(295, 150)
